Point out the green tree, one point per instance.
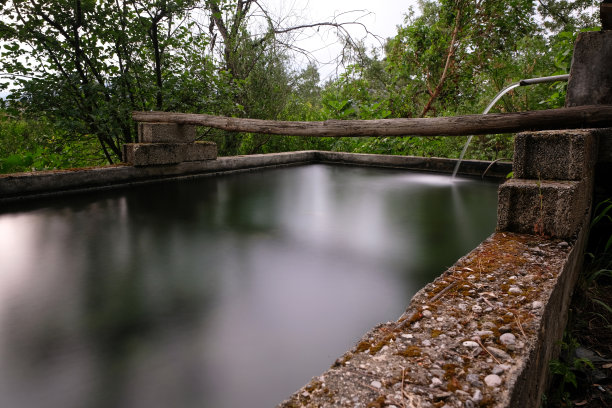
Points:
(86, 64)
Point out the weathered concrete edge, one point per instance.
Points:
(25, 186)
(395, 363)
(475, 168)
(529, 386)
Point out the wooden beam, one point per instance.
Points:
(565, 118)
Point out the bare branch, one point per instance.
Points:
(447, 64)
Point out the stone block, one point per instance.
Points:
(199, 151)
(166, 133)
(555, 154)
(590, 81)
(548, 208)
(152, 154)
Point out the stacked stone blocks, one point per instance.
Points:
(167, 144)
(551, 189)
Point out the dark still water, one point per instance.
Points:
(228, 291)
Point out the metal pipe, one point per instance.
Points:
(542, 80)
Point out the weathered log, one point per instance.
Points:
(592, 116)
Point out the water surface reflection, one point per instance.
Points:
(228, 291)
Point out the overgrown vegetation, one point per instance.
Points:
(28, 144)
(79, 68)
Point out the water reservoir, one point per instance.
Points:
(224, 291)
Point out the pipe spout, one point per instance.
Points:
(542, 80)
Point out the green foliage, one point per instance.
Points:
(452, 58)
(28, 145)
(84, 66)
(87, 65)
(564, 372)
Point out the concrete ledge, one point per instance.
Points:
(480, 335)
(555, 155)
(166, 133)
(474, 168)
(24, 186)
(549, 208)
(151, 154)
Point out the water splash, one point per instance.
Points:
(484, 112)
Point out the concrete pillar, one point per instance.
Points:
(590, 80)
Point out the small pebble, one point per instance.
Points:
(493, 380)
(462, 394)
(505, 329)
(407, 336)
(537, 305)
(473, 379)
(477, 397)
(499, 353)
(507, 338)
(563, 244)
(515, 290)
(469, 404)
(435, 382)
(501, 368)
(469, 343)
(462, 306)
(426, 313)
(476, 308)
(426, 343)
(376, 384)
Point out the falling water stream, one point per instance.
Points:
(524, 82)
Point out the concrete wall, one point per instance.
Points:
(24, 186)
